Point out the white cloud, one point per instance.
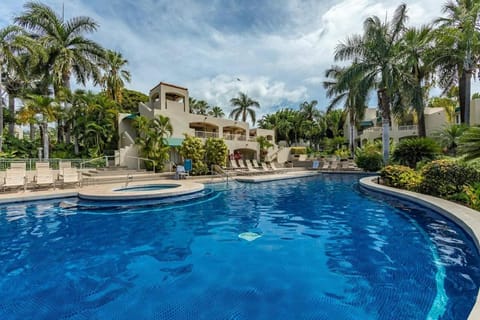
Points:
(280, 50)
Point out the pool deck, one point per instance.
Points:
(276, 176)
(468, 219)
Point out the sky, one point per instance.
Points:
(274, 51)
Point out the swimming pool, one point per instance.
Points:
(324, 251)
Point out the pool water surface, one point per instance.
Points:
(324, 250)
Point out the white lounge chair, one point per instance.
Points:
(15, 178)
(44, 177)
(69, 176)
(241, 164)
(234, 165)
(266, 168)
(180, 172)
(18, 165)
(255, 164)
(250, 167)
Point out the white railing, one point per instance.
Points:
(410, 127)
(206, 134)
(373, 129)
(143, 159)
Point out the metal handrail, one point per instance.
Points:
(82, 164)
(218, 169)
(144, 159)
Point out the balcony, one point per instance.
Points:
(206, 134)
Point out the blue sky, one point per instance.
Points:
(278, 49)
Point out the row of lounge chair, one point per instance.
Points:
(253, 167)
(16, 177)
(334, 165)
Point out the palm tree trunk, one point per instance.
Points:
(464, 87)
(45, 141)
(32, 132)
(422, 131)
(384, 105)
(11, 109)
(1, 121)
(352, 138)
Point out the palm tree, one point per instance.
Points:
(217, 112)
(201, 107)
(44, 106)
(450, 136)
(469, 144)
(15, 44)
(352, 96)
(458, 43)
(376, 65)
(242, 107)
(416, 49)
(309, 110)
(151, 138)
(113, 79)
(69, 52)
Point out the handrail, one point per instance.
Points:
(144, 159)
(82, 164)
(217, 168)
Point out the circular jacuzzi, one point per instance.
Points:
(139, 191)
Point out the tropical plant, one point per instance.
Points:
(193, 148)
(449, 137)
(45, 107)
(200, 107)
(369, 157)
(151, 139)
(351, 94)
(69, 52)
(243, 106)
(131, 99)
(446, 178)
(399, 176)
(216, 112)
(264, 145)
(114, 75)
(410, 151)
(458, 44)
(448, 104)
(469, 143)
(416, 48)
(375, 55)
(216, 152)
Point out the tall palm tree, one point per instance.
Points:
(201, 107)
(375, 54)
(217, 112)
(69, 52)
(458, 41)
(15, 44)
(243, 106)
(351, 94)
(114, 75)
(417, 52)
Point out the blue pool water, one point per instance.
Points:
(326, 251)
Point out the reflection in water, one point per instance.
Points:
(325, 249)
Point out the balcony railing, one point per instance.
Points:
(405, 128)
(206, 134)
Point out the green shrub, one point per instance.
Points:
(217, 152)
(192, 148)
(472, 196)
(410, 151)
(298, 150)
(369, 157)
(399, 176)
(446, 178)
(342, 153)
(369, 161)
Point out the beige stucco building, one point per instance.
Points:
(172, 101)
